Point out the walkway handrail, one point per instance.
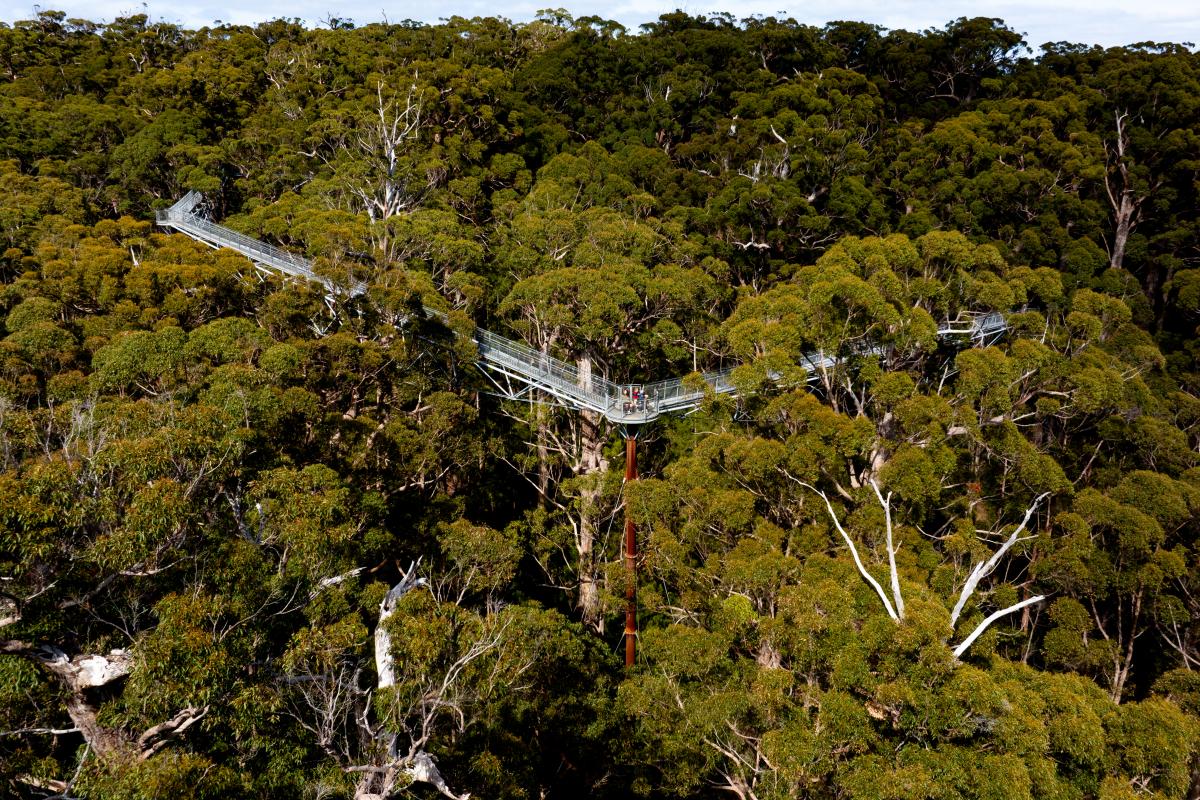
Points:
(180, 217)
(629, 404)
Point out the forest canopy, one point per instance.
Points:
(259, 540)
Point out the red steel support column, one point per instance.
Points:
(630, 557)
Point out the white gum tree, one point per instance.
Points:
(385, 746)
(894, 603)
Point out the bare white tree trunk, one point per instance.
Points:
(384, 142)
(983, 626)
(985, 568)
(396, 748)
(384, 667)
(592, 466)
(862, 570)
(1122, 197)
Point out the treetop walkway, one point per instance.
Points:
(517, 369)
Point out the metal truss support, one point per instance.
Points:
(631, 474)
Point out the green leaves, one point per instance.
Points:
(222, 473)
(1151, 742)
(486, 559)
(307, 515)
(151, 362)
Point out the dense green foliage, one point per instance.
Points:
(209, 480)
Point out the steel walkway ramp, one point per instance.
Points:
(517, 370)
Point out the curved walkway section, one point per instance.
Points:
(515, 368)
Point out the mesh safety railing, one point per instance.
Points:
(625, 403)
(179, 216)
(599, 393)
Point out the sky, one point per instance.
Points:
(1105, 22)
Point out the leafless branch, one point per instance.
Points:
(39, 732)
(983, 626)
(887, 604)
(891, 548)
(157, 737)
(985, 568)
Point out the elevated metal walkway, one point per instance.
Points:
(516, 369)
(182, 217)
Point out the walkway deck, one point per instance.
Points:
(516, 368)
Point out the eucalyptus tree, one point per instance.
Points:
(597, 280)
(1019, 172)
(791, 161)
(256, 541)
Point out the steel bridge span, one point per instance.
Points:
(516, 369)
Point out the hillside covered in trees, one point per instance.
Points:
(256, 544)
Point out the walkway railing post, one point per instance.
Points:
(630, 553)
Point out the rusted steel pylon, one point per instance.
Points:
(630, 554)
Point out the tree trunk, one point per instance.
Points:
(105, 742)
(1127, 635)
(541, 437)
(384, 662)
(592, 466)
(1126, 205)
(77, 676)
(1125, 218)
